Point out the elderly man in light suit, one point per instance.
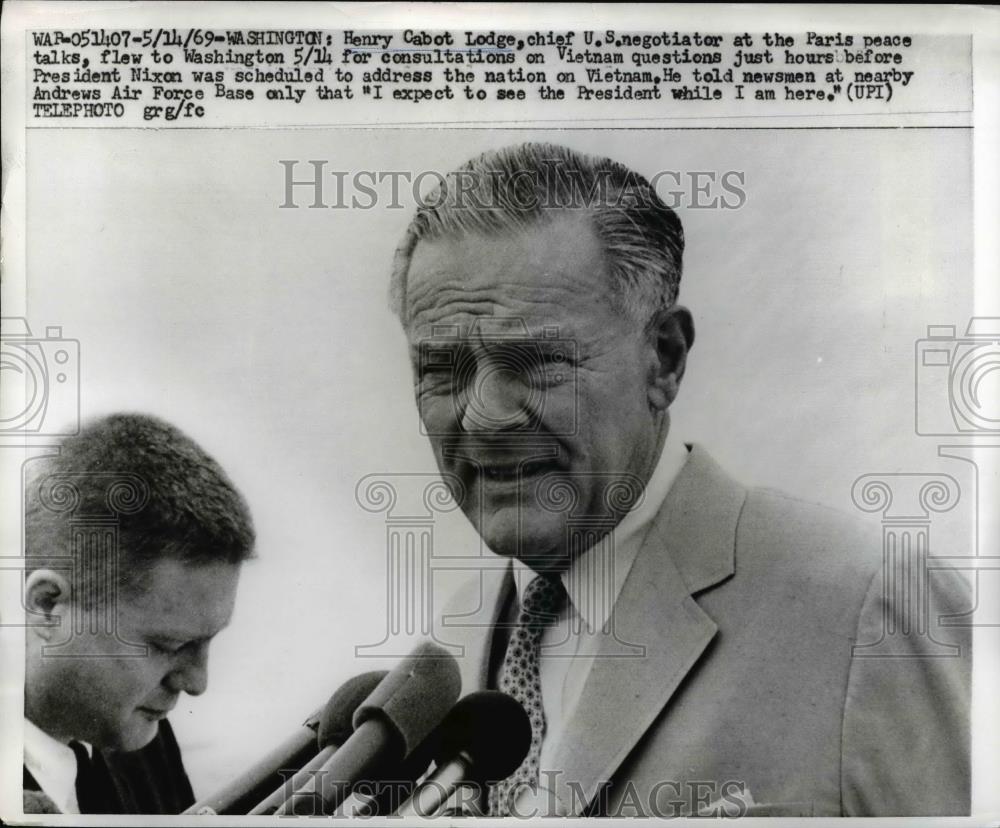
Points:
(682, 645)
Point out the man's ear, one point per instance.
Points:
(47, 594)
(672, 335)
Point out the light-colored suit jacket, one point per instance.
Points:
(748, 698)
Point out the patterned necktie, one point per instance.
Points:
(520, 678)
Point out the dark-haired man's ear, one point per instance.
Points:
(47, 597)
(672, 335)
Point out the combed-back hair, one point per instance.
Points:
(505, 191)
(164, 496)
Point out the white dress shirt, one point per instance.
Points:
(593, 583)
(53, 764)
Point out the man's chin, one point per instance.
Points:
(141, 730)
(538, 541)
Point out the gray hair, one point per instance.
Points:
(512, 189)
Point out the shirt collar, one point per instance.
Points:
(53, 764)
(595, 578)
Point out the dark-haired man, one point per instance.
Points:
(134, 539)
(682, 645)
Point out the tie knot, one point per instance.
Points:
(543, 598)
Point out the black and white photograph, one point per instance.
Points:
(448, 412)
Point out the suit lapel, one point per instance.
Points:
(689, 548)
(469, 636)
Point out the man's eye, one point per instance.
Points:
(437, 377)
(446, 373)
(166, 649)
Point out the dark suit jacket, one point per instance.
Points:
(151, 780)
(747, 605)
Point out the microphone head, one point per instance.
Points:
(415, 696)
(335, 720)
(492, 728)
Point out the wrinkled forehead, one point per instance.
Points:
(548, 276)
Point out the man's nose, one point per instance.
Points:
(190, 675)
(496, 398)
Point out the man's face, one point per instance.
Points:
(508, 413)
(117, 702)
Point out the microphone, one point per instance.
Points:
(262, 776)
(485, 737)
(334, 729)
(398, 715)
(383, 796)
